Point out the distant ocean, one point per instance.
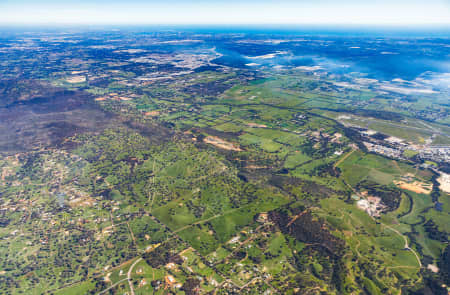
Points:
(383, 53)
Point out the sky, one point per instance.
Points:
(224, 12)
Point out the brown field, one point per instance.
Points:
(152, 113)
(256, 167)
(82, 202)
(220, 143)
(255, 125)
(124, 98)
(6, 171)
(415, 186)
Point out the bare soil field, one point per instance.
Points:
(220, 143)
(415, 186)
(152, 113)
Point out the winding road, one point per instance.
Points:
(130, 283)
(406, 243)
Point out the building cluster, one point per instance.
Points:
(435, 153)
(395, 148)
(383, 150)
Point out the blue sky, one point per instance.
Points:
(323, 12)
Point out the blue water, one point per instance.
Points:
(383, 53)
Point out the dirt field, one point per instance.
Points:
(152, 113)
(124, 98)
(6, 171)
(415, 186)
(256, 167)
(220, 143)
(82, 202)
(255, 125)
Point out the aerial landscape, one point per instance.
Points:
(195, 159)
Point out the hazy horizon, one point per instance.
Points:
(218, 12)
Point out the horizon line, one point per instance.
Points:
(363, 25)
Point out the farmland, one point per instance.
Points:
(160, 169)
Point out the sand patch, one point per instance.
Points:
(220, 143)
